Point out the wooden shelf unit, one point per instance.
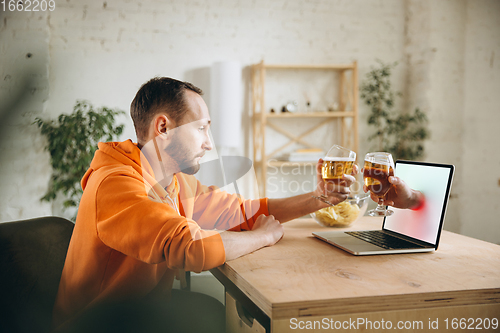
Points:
(314, 114)
(348, 104)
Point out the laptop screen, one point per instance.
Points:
(434, 181)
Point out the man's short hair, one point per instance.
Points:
(159, 95)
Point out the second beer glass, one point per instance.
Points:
(378, 168)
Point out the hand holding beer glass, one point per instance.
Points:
(337, 162)
(378, 168)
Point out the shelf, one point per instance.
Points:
(345, 121)
(323, 114)
(337, 67)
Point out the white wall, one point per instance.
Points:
(480, 195)
(104, 50)
(24, 91)
(435, 53)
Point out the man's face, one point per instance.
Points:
(190, 140)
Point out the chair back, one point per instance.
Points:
(32, 255)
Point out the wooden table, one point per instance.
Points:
(305, 283)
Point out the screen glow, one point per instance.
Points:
(422, 224)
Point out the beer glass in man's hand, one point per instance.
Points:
(377, 169)
(338, 162)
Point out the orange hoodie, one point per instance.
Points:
(128, 242)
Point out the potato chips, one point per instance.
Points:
(341, 214)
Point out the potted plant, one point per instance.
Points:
(399, 133)
(72, 141)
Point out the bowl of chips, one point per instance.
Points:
(343, 214)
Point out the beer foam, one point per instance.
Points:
(338, 159)
(375, 161)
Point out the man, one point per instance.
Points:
(143, 217)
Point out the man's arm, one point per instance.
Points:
(266, 232)
(287, 209)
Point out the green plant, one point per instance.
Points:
(72, 141)
(399, 133)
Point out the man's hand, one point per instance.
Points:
(266, 231)
(270, 228)
(335, 191)
(400, 195)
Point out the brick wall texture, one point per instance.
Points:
(448, 53)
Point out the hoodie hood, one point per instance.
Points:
(117, 154)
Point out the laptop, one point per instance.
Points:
(405, 231)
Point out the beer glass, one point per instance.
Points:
(337, 162)
(377, 169)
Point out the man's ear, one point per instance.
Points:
(161, 126)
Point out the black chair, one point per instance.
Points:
(32, 254)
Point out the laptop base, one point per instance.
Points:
(360, 247)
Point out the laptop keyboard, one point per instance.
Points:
(383, 240)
